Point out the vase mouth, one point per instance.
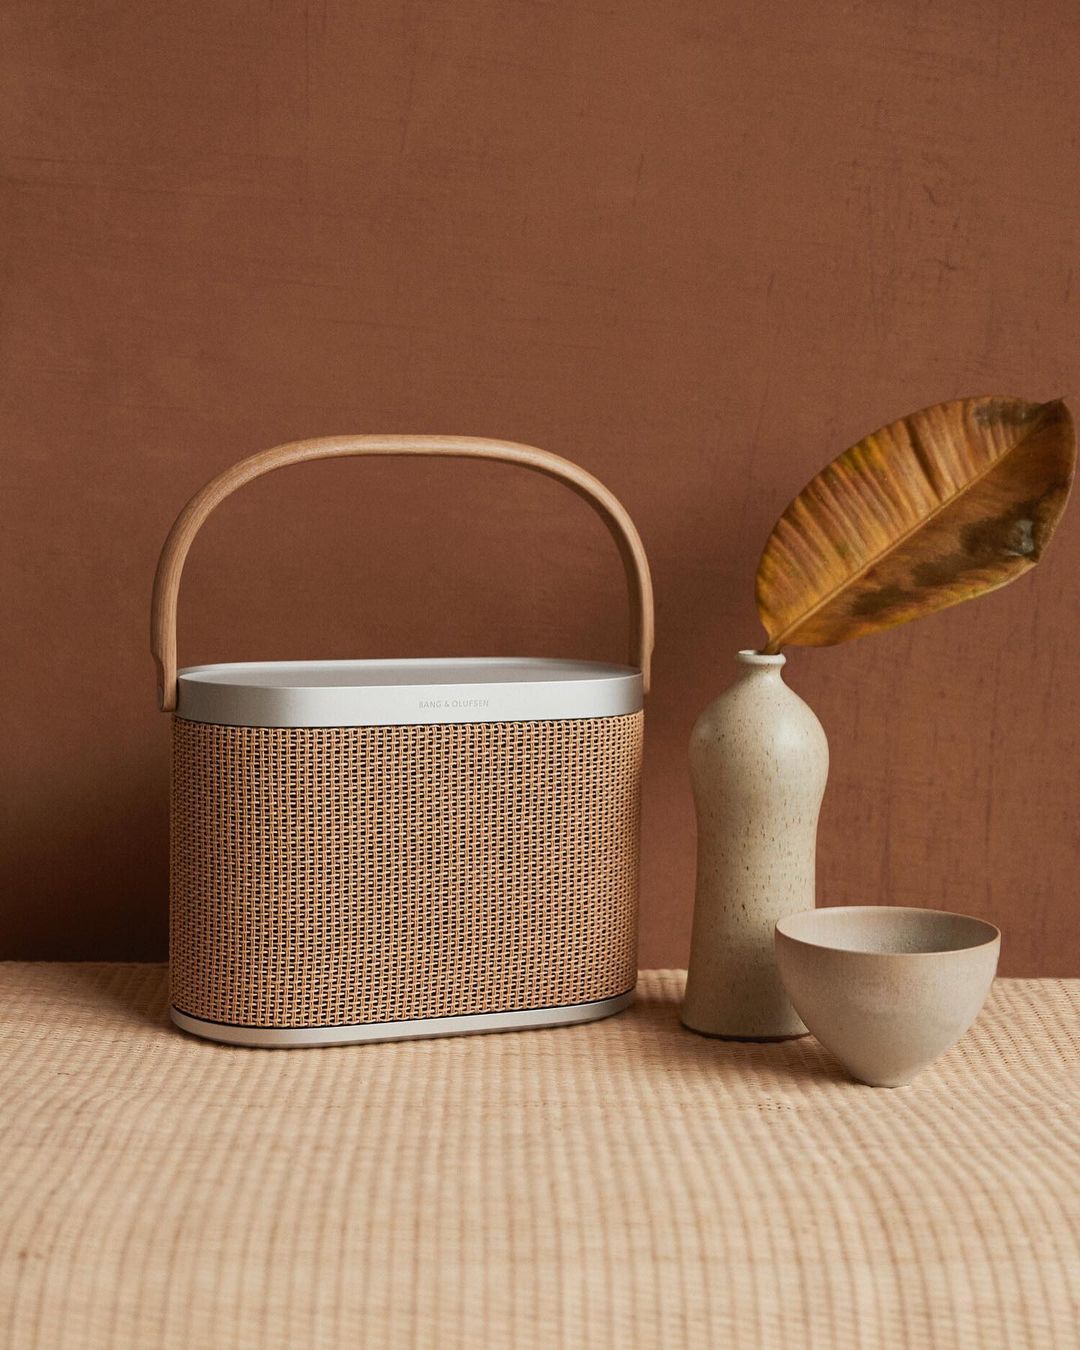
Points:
(748, 657)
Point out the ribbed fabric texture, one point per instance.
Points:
(619, 1184)
(329, 876)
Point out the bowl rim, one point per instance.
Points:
(993, 930)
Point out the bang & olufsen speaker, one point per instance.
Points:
(369, 850)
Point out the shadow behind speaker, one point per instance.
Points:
(369, 850)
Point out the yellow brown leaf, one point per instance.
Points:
(939, 507)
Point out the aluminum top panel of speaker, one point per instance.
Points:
(404, 693)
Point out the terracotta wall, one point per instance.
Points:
(698, 246)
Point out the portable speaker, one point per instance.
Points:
(370, 850)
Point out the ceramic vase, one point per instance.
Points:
(758, 764)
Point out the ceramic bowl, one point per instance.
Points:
(887, 990)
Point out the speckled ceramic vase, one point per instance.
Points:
(758, 763)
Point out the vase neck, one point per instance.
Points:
(758, 665)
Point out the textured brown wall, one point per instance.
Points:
(698, 246)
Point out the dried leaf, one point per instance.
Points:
(939, 507)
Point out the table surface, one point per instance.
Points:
(619, 1184)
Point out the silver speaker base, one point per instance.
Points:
(475, 1024)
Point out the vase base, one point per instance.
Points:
(729, 1036)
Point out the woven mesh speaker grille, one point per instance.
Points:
(347, 875)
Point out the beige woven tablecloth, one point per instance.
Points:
(620, 1184)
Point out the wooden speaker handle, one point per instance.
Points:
(188, 522)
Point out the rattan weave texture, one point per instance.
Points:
(622, 1184)
(347, 875)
